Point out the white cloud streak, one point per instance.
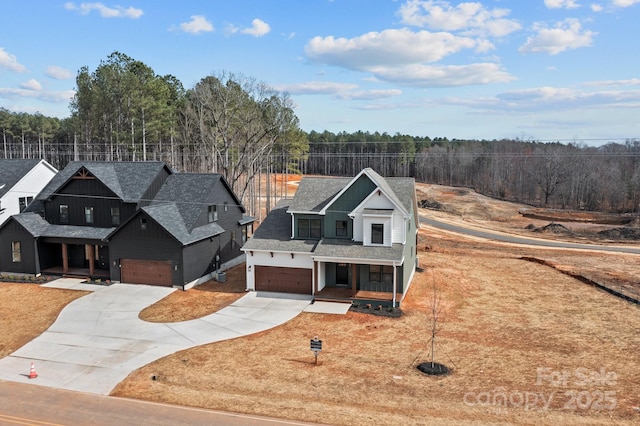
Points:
(58, 73)
(105, 11)
(561, 4)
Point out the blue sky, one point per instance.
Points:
(563, 70)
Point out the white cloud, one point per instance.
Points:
(443, 75)
(58, 73)
(470, 18)
(10, 61)
(369, 95)
(197, 24)
(31, 84)
(625, 3)
(44, 95)
(317, 88)
(603, 83)
(105, 11)
(567, 34)
(389, 47)
(561, 4)
(258, 28)
(596, 7)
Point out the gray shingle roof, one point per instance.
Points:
(314, 193)
(129, 180)
(38, 227)
(346, 249)
(274, 233)
(11, 171)
(169, 217)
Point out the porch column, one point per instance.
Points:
(314, 277)
(354, 281)
(395, 285)
(92, 257)
(65, 258)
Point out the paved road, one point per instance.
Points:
(22, 404)
(496, 236)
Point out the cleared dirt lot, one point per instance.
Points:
(528, 344)
(509, 328)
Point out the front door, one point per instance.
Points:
(342, 274)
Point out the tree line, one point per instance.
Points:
(242, 128)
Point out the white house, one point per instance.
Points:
(20, 181)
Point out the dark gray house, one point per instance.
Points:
(135, 222)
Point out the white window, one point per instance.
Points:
(16, 252)
(213, 213)
(88, 214)
(64, 213)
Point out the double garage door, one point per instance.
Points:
(153, 272)
(283, 280)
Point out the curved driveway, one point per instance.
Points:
(496, 236)
(98, 340)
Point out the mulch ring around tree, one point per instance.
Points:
(434, 369)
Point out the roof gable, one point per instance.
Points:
(381, 184)
(13, 170)
(128, 180)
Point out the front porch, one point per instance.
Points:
(341, 294)
(96, 274)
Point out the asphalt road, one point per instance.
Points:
(496, 236)
(27, 404)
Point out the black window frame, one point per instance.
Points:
(23, 203)
(115, 215)
(310, 228)
(381, 274)
(342, 228)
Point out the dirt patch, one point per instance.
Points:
(199, 301)
(26, 310)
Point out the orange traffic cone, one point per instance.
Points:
(32, 372)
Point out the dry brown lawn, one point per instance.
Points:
(199, 301)
(508, 327)
(503, 319)
(26, 310)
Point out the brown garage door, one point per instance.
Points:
(152, 272)
(285, 280)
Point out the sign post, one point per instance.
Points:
(316, 347)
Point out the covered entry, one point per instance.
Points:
(153, 272)
(287, 280)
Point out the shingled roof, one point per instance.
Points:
(128, 180)
(38, 227)
(12, 170)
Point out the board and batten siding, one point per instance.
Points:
(12, 232)
(152, 243)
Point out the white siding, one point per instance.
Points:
(283, 260)
(29, 186)
(394, 228)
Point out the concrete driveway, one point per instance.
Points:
(98, 340)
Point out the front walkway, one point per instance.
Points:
(98, 340)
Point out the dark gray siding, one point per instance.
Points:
(152, 243)
(28, 264)
(87, 193)
(199, 259)
(153, 189)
